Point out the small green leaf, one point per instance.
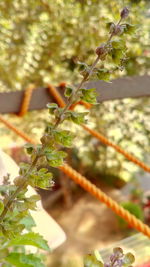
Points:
(98, 256)
(55, 158)
(34, 198)
(21, 206)
(92, 261)
(118, 44)
(89, 95)
(11, 230)
(103, 75)
(78, 117)
(24, 260)
(41, 179)
(1, 206)
(29, 148)
(129, 28)
(23, 168)
(117, 55)
(63, 137)
(37, 181)
(28, 222)
(52, 107)
(128, 259)
(32, 239)
(68, 91)
(82, 66)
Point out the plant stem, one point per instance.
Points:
(19, 189)
(59, 121)
(70, 102)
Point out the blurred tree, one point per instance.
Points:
(41, 40)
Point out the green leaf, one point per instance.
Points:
(68, 91)
(21, 206)
(33, 198)
(118, 44)
(117, 55)
(92, 261)
(98, 256)
(32, 239)
(28, 222)
(30, 202)
(129, 28)
(52, 107)
(1, 206)
(103, 75)
(29, 148)
(63, 137)
(82, 66)
(128, 259)
(23, 168)
(89, 95)
(24, 260)
(11, 230)
(78, 117)
(55, 158)
(36, 181)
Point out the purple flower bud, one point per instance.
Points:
(100, 50)
(107, 264)
(124, 13)
(112, 257)
(119, 262)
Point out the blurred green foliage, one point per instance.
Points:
(42, 39)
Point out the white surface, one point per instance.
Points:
(45, 224)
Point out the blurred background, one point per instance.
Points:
(40, 43)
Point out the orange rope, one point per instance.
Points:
(102, 197)
(17, 131)
(53, 91)
(26, 100)
(103, 139)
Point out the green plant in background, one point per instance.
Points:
(128, 124)
(134, 209)
(14, 205)
(117, 259)
(37, 37)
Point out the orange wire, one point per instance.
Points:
(16, 130)
(102, 197)
(26, 100)
(53, 91)
(105, 141)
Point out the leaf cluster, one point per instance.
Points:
(117, 258)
